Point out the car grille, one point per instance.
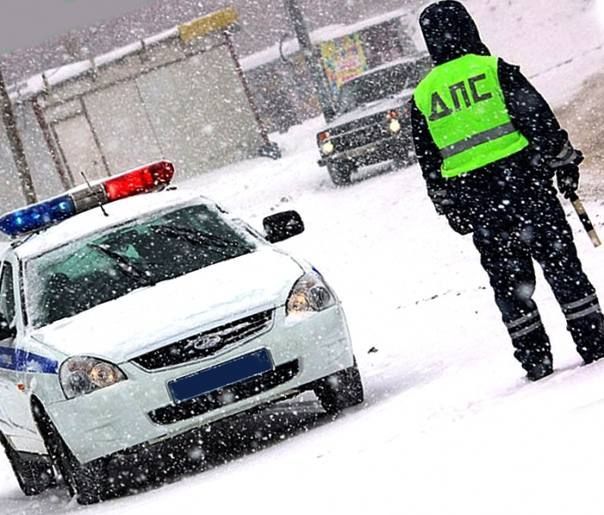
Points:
(361, 137)
(207, 343)
(225, 396)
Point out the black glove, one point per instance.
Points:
(458, 222)
(568, 179)
(566, 165)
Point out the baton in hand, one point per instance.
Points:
(584, 217)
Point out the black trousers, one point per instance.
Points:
(509, 234)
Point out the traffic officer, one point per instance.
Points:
(489, 146)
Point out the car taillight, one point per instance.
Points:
(392, 115)
(323, 137)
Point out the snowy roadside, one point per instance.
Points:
(584, 120)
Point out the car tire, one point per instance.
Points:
(34, 474)
(340, 172)
(86, 481)
(341, 390)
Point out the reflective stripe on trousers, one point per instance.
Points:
(581, 308)
(524, 325)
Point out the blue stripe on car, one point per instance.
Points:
(22, 361)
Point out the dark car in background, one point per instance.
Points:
(372, 121)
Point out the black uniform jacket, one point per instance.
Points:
(450, 33)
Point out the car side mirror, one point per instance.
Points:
(282, 226)
(6, 331)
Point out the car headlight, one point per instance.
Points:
(394, 126)
(327, 148)
(310, 294)
(83, 375)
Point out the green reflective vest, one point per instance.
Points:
(467, 117)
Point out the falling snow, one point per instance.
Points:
(449, 423)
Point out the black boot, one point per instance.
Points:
(539, 371)
(533, 350)
(588, 334)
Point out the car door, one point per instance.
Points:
(10, 400)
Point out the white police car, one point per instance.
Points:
(129, 323)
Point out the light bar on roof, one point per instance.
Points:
(49, 212)
(141, 180)
(36, 216)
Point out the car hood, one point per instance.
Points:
(148, 318)
(372, 108)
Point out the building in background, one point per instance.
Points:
(157, 98)
(177, 95)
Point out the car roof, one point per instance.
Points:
(94, 221)
(397, 66)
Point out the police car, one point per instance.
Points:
(129, 316)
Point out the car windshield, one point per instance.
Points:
(374, 86)
(103, 267)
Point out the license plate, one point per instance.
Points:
(221, 376)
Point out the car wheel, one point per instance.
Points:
(34, 474)
(340, 172)
(84, 481)
(341, 390)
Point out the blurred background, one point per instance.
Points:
(84, 77)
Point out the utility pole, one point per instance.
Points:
(312, 56)
(16, 144)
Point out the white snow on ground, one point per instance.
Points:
(450, 425)
(600, 11)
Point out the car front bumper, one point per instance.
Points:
(303, 349)
(386, 149)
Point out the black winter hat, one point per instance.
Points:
(450, 32)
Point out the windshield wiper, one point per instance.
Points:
(124, 264)
(197, 237)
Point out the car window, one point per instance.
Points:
(375, 86)
(7, 293)
(101, 268)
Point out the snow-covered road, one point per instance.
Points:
(450, 425)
